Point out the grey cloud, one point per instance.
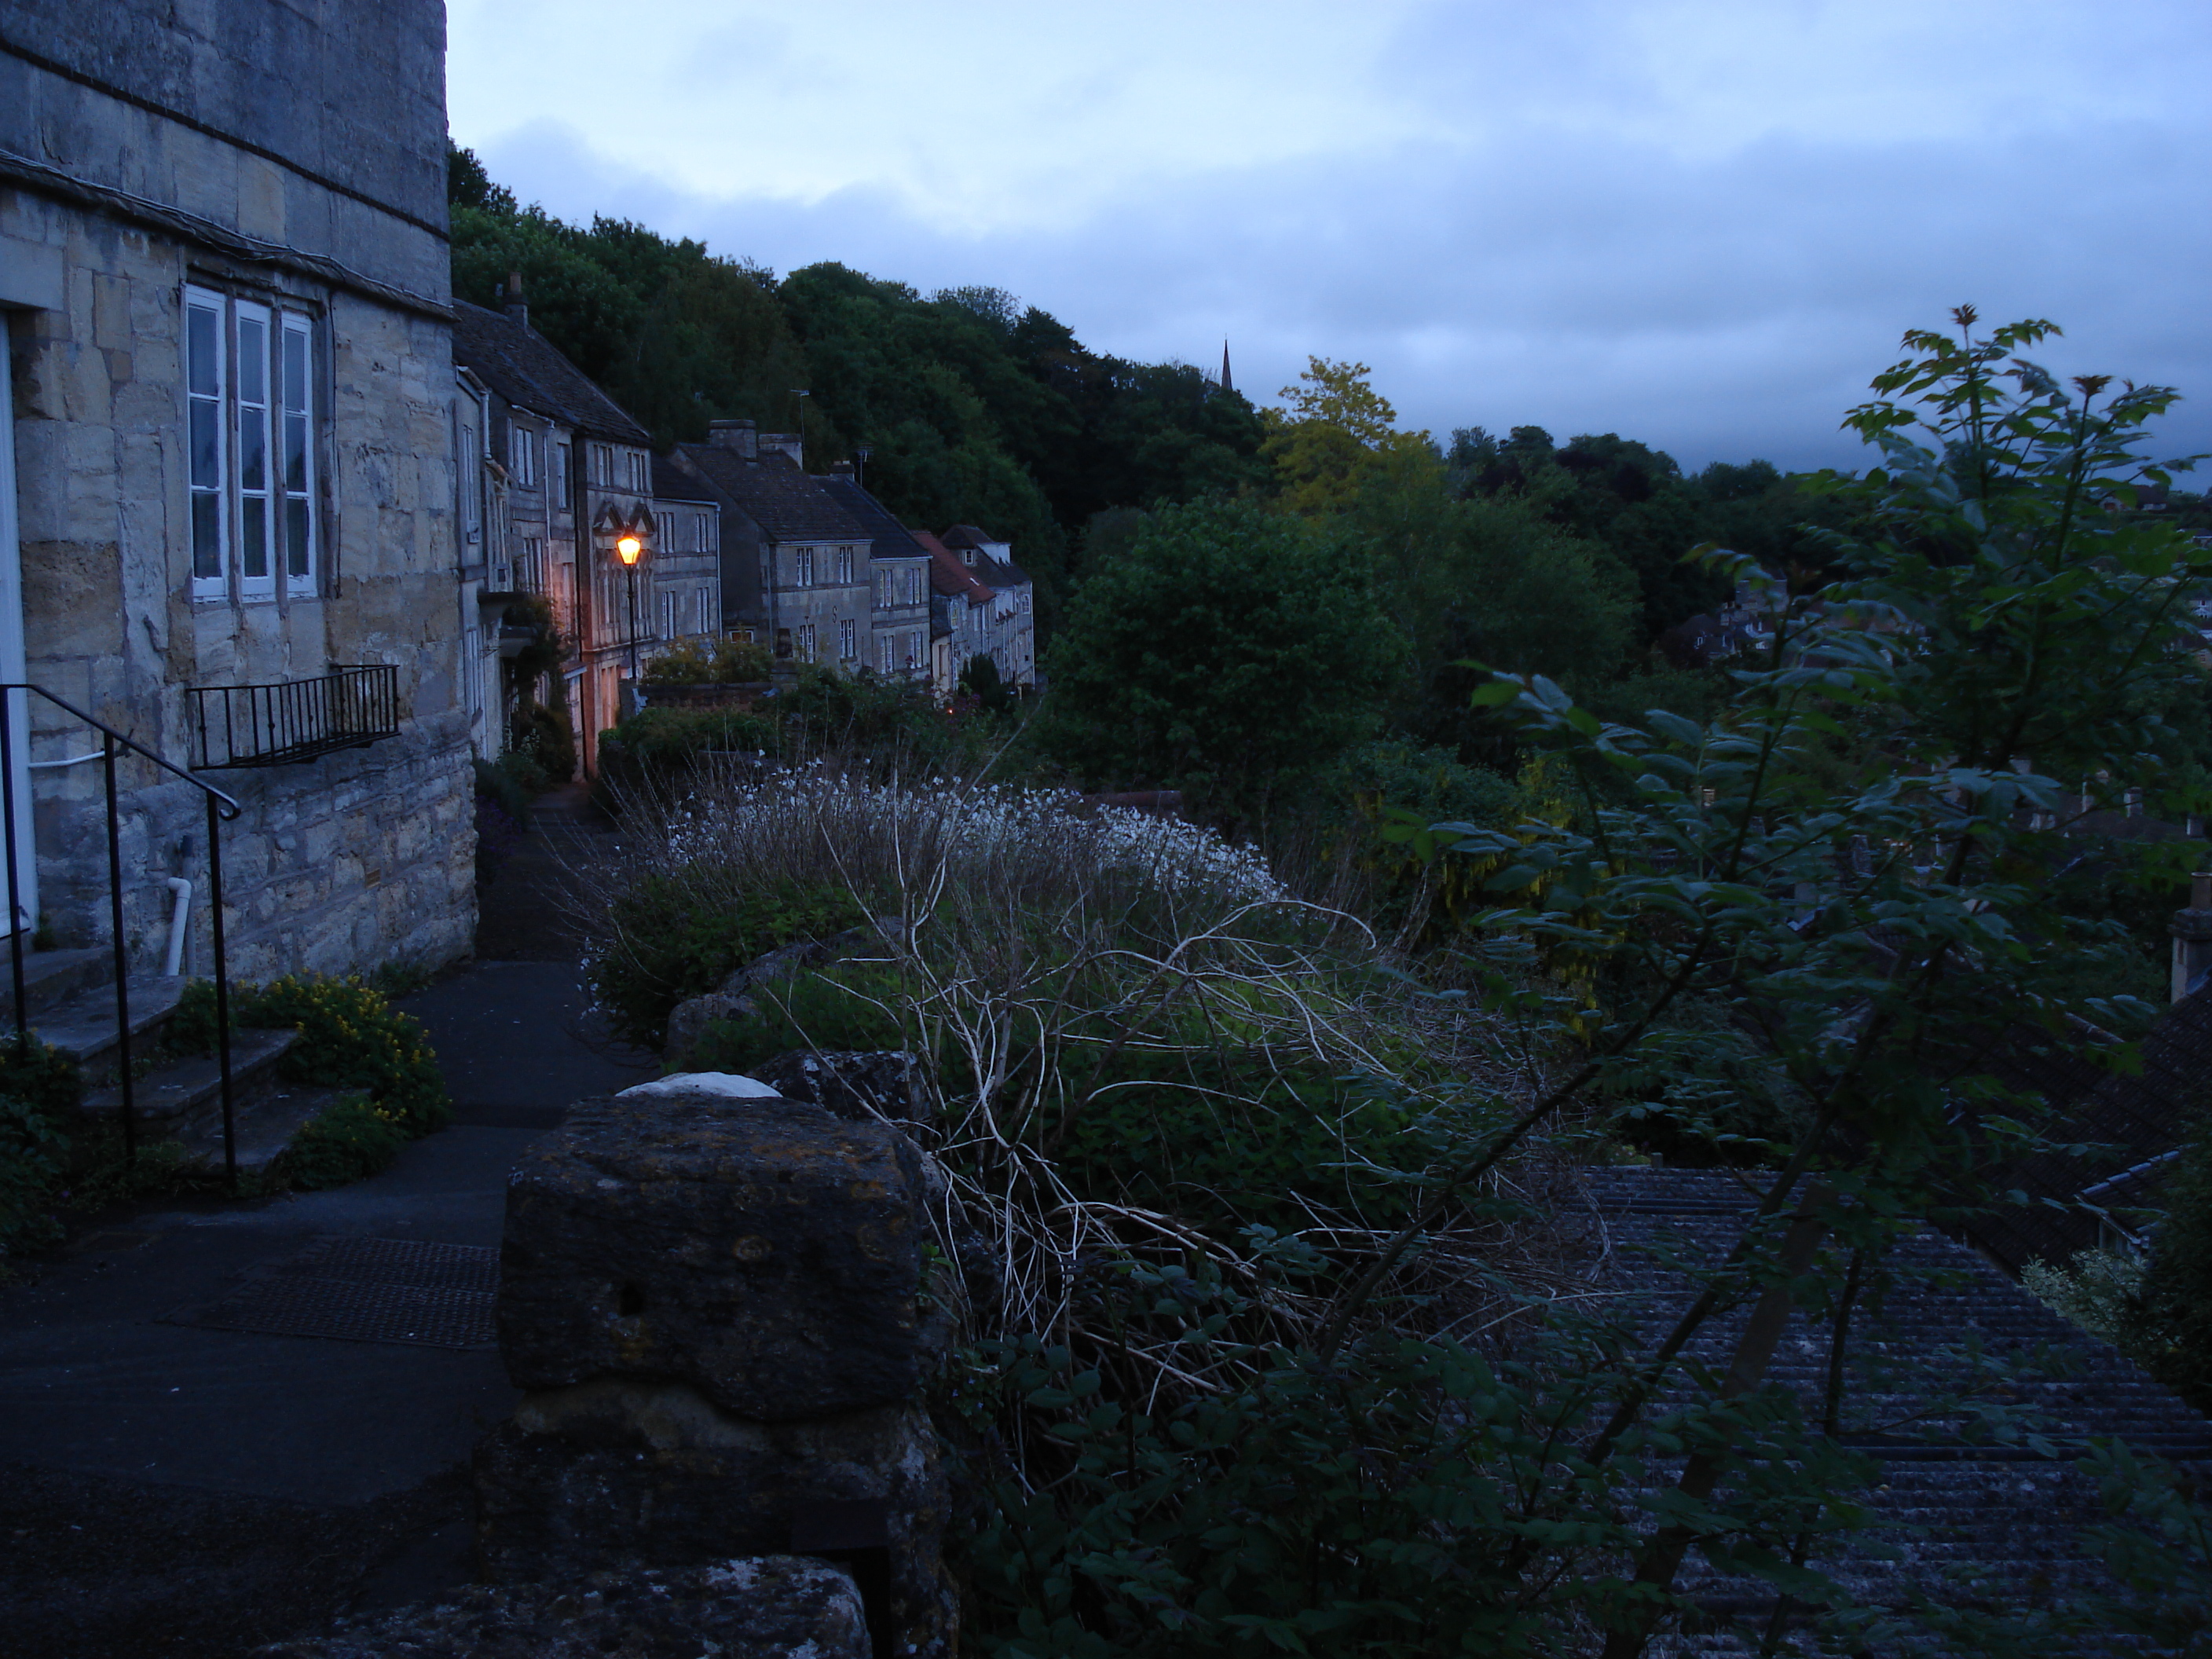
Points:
(1717, 308)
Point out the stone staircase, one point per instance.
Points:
(1965, 1519)
(70, 1000)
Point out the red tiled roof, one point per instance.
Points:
(947, 575)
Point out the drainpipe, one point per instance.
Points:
(173, 963)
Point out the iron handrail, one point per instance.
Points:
(222, 808)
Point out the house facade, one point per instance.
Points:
(1009, 626)
(898, 583)
(229, 526)
(795, 562)
(572, 475)
(961, 607)
(687, 557)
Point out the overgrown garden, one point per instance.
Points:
(1274, 1338)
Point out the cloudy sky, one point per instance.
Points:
(1700, 222)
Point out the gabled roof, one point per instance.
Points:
(996, 572)
(893, 540)
(671, 482)
(787, 504)
(947, 575)
(525, 367)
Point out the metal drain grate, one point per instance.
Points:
(367, 1290)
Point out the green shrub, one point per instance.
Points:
(350, 1037)
(660, 742)
(541, 733)
(33, 1151)
(346, 1141)
(670, 940)
(2171, 1322)
(1221, 1137)
(723, 662)
(839, 1008)
(46, 1078)
(504, 789)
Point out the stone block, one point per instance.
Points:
(763, 1607)
(765, 1251)
(610, 1475)
(856, 1085)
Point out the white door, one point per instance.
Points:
(18, 713)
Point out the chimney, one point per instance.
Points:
(742, 436)
(517, 308)
(2191, 931)
(786, 443)
(841, 468)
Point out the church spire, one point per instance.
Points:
(1225, 384)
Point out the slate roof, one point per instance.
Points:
(995, 571)
(525, 367)
(893, 539)
(1945, 1498)
(787, 504)
(948, 575)
(670, 483)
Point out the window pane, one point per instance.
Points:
(253, 525)
(295, 369)
(204, 362)
(253, 361)
(207, 534)
(207, 452)
(295, 538)
(296, 457)
(253, 448)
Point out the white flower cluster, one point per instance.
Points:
(969, 827)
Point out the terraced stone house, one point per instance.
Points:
(228, 488)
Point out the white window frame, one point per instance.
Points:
(522, 442)
(207, 406)
(558, 467)
(802, 566)
(848, 640)
(254, 365)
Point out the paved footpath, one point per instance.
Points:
(112, 1417)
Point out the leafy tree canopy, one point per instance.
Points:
(1229, 652)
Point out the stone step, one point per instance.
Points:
(84, 1026)
(261, 1127)
(52, 977)
(181, 1092)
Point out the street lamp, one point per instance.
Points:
(629, 548)
(860, 454)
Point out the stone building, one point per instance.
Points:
(1010, 624)
(899, 588)
(960, 614)
(686, 556)
(575, 475)
(795, 573)
(230, 527)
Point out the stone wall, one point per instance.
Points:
(359, 858)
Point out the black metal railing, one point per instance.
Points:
(289, 721)
(220, 808)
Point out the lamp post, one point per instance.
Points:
(860, 454)
(802, 395)
(629, 548)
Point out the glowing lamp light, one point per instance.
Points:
(628, 549)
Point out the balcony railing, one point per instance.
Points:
(292, 720)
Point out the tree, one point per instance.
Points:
(1227, 653)
(1337, 433)
(1993, 614)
